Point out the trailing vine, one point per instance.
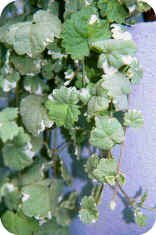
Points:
(67, 69)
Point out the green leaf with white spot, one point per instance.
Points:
(133, 118)
(52, 228)
(28, 38)
(135, 72)
(113, 46)
(114, 10)
(79, 32)
(88, 212)
(97, 105)
(106, 171)
(19, 224)
(72, 6)
(33, 173)
(11, 195)
(8, 80)
(63, 216)
(26, 65)
(18, 154)
(140, 218)
(36, 195)
(62, 106)
(35, 85)
(34, 115)
(41, 193)
(8, 126)
(115, 53)
(114, 85)
(107, 133)
(91, 165)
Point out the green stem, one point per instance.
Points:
(17, 93)
(98, 193)
(83, 71)
(130, 200)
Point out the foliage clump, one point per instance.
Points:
(66, 71)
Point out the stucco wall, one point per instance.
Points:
(139, 162)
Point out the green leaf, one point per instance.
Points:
(63, 216)
(19, 224)
(8, 81)
(113, 10)
(12, 199)
(116, 87)
(8, 126)
(70, 202)
(98, 31)
(34, 115)
(135, 72)
(32, 174)
(143, 198)
(75, 35)
(107, 133)
(133, 118)
(34, 196)
(35, 85)
(121, 102)
(26, 65)
(52, 228)
(56, 193)
(97, 105)
(115, 53)
(73, 6)
(88, 213)
(123, 47)
(91, 165)
(140, 218)
(65, 173)
(80, 30)
(41, 193)
(28, 38)
(106, 171)
(18, 154)
(11, 195)
(62, 106)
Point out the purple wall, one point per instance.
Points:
(139, 162)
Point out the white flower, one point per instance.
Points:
(113, 205)
(93, 19)
(28, 150)
(49, 215)
(108, 69)
(39, 90)
(87, 2)
(7, 85)
(28, 88)
(25, 197)
(127, 59)
(132, 8)
(119, 33)
(69, 75)
(9, 187)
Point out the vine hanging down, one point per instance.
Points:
(67, 69)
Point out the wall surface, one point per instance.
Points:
(139, 162)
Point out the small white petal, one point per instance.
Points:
(93, 19)
(25, 197)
